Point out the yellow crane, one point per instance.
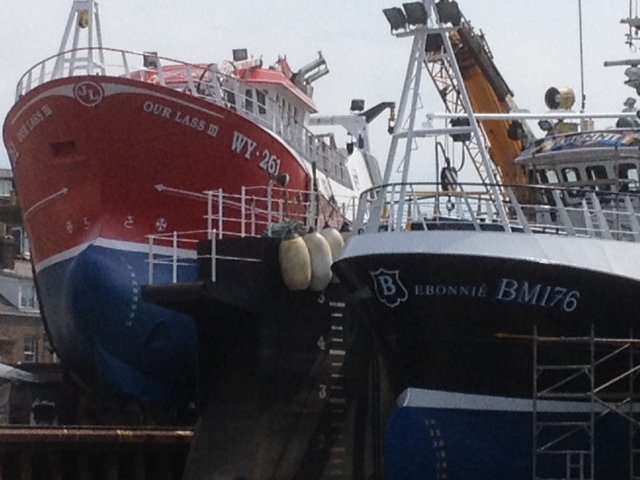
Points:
(487, 90)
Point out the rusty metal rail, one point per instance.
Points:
(88, 453)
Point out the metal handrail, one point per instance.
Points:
(203, 81)
(530, 209)
(247, 214)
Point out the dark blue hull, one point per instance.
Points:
(439, 443)
(467, 325)
(105, 331)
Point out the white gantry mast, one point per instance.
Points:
(84, 21)
(421, 20)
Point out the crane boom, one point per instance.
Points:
(488, 93)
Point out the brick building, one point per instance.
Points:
(22, 335)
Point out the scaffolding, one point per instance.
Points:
(577, 382)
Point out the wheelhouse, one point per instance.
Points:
(604, 161)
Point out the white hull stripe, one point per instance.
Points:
(62, 91)
(420, 398)
(114, 245)
(111, 89)
(116, 89)
(607, 256)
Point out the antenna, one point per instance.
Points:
(582, 94)
(633, 72)
(634, 24)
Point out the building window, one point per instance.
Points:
(30, 349)
(22, 240)
(6, 185)
(27, 295)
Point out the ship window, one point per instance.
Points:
(283, 111)
(30, 350)
(628, 172)
(229, 97)
(548, 176)
(248, 101)
(570, 174)
(262, 102)
(596, 173)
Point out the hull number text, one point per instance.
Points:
(248, 148)
(510, 290)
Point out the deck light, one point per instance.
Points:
(559, 98)
(545, 125)
(150, 59)
(240, 54)
(416, 13)
(281, 179)
(395, 17)
(449, 12)
(357, 105)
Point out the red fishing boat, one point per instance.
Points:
(110, 146)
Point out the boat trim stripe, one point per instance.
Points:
(421, 398)
(113, 245)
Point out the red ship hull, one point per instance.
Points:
(117, 159)
(100, 163)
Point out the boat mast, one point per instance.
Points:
(420, 20)
(84, 16)
(633, 72)
(634, 23)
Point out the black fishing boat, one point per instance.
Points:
(504, 311)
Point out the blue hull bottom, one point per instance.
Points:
(103, 329)
(458, 444)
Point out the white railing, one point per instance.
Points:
(204, 81)
(530, 209)
(256, 211)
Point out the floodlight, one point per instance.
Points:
(281, 179)
(434, 43)
(150, 59)
(395, 17)
(416, 13)
(240, 54)
(516, 131)
(449, 12)
(357, 105)
(545, 125)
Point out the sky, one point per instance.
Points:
(535, 44)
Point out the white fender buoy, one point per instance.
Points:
(320, 254)
(335, 241)
(295, 263)
(336, 244)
